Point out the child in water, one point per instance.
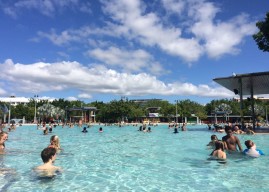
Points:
(55, 143)
(251, 149)
(218, 152)
(214, 138)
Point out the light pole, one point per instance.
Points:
(176, 111)
(35, 96)
(65, 114)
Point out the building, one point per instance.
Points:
(14, 100)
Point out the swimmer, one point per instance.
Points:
(84, 130)
(218, 152)
(3, 138)
(55, 142)
(249, 131)
(45, 132)
(100, 130)
(175, 130)
(214, 138)
(231, 142)
(184, 127)
(251, 149)
(48, 156)
(236, 130)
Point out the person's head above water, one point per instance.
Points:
(84, 130)
(228, 130)
(219, 145)
(249, 144)
(214, 137)
(47, 154)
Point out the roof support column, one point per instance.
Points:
(252, 104)
(241, 102)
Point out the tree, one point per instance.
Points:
(188, 108)
(262, 37)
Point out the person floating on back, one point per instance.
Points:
(48, 156)
(251, 149)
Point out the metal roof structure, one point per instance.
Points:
(248, 84)
(82, 109)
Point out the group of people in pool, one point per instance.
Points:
(144, 128)
(231, 143)
(86, 131)
(176, 126)
(48, 156)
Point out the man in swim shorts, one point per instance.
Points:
(231, 141)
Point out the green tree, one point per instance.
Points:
(188, 108)
(262, 37)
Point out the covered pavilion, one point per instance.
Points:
(87, 114)
(246, 84)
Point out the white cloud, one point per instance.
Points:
(47, 7)
(85, 96)
(61, 76)
(222, 37)
(128, 60)
(174, 6)
(198, 31)
(71, 99)
(149, 29)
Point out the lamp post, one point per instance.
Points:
(65, 114)
(176, 111)
(35, 96)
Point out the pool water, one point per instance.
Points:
(124, 159)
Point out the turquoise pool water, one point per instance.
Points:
(124, 159)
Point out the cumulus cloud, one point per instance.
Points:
(199, 33)
(128, 60)
(84, 96)
(61, 76)
(222, 37)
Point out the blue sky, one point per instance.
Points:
(103, 50)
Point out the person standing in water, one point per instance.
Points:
(48, 156)
(231, 142)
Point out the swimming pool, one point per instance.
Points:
(124, 159)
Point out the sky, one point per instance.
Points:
(103, 50)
